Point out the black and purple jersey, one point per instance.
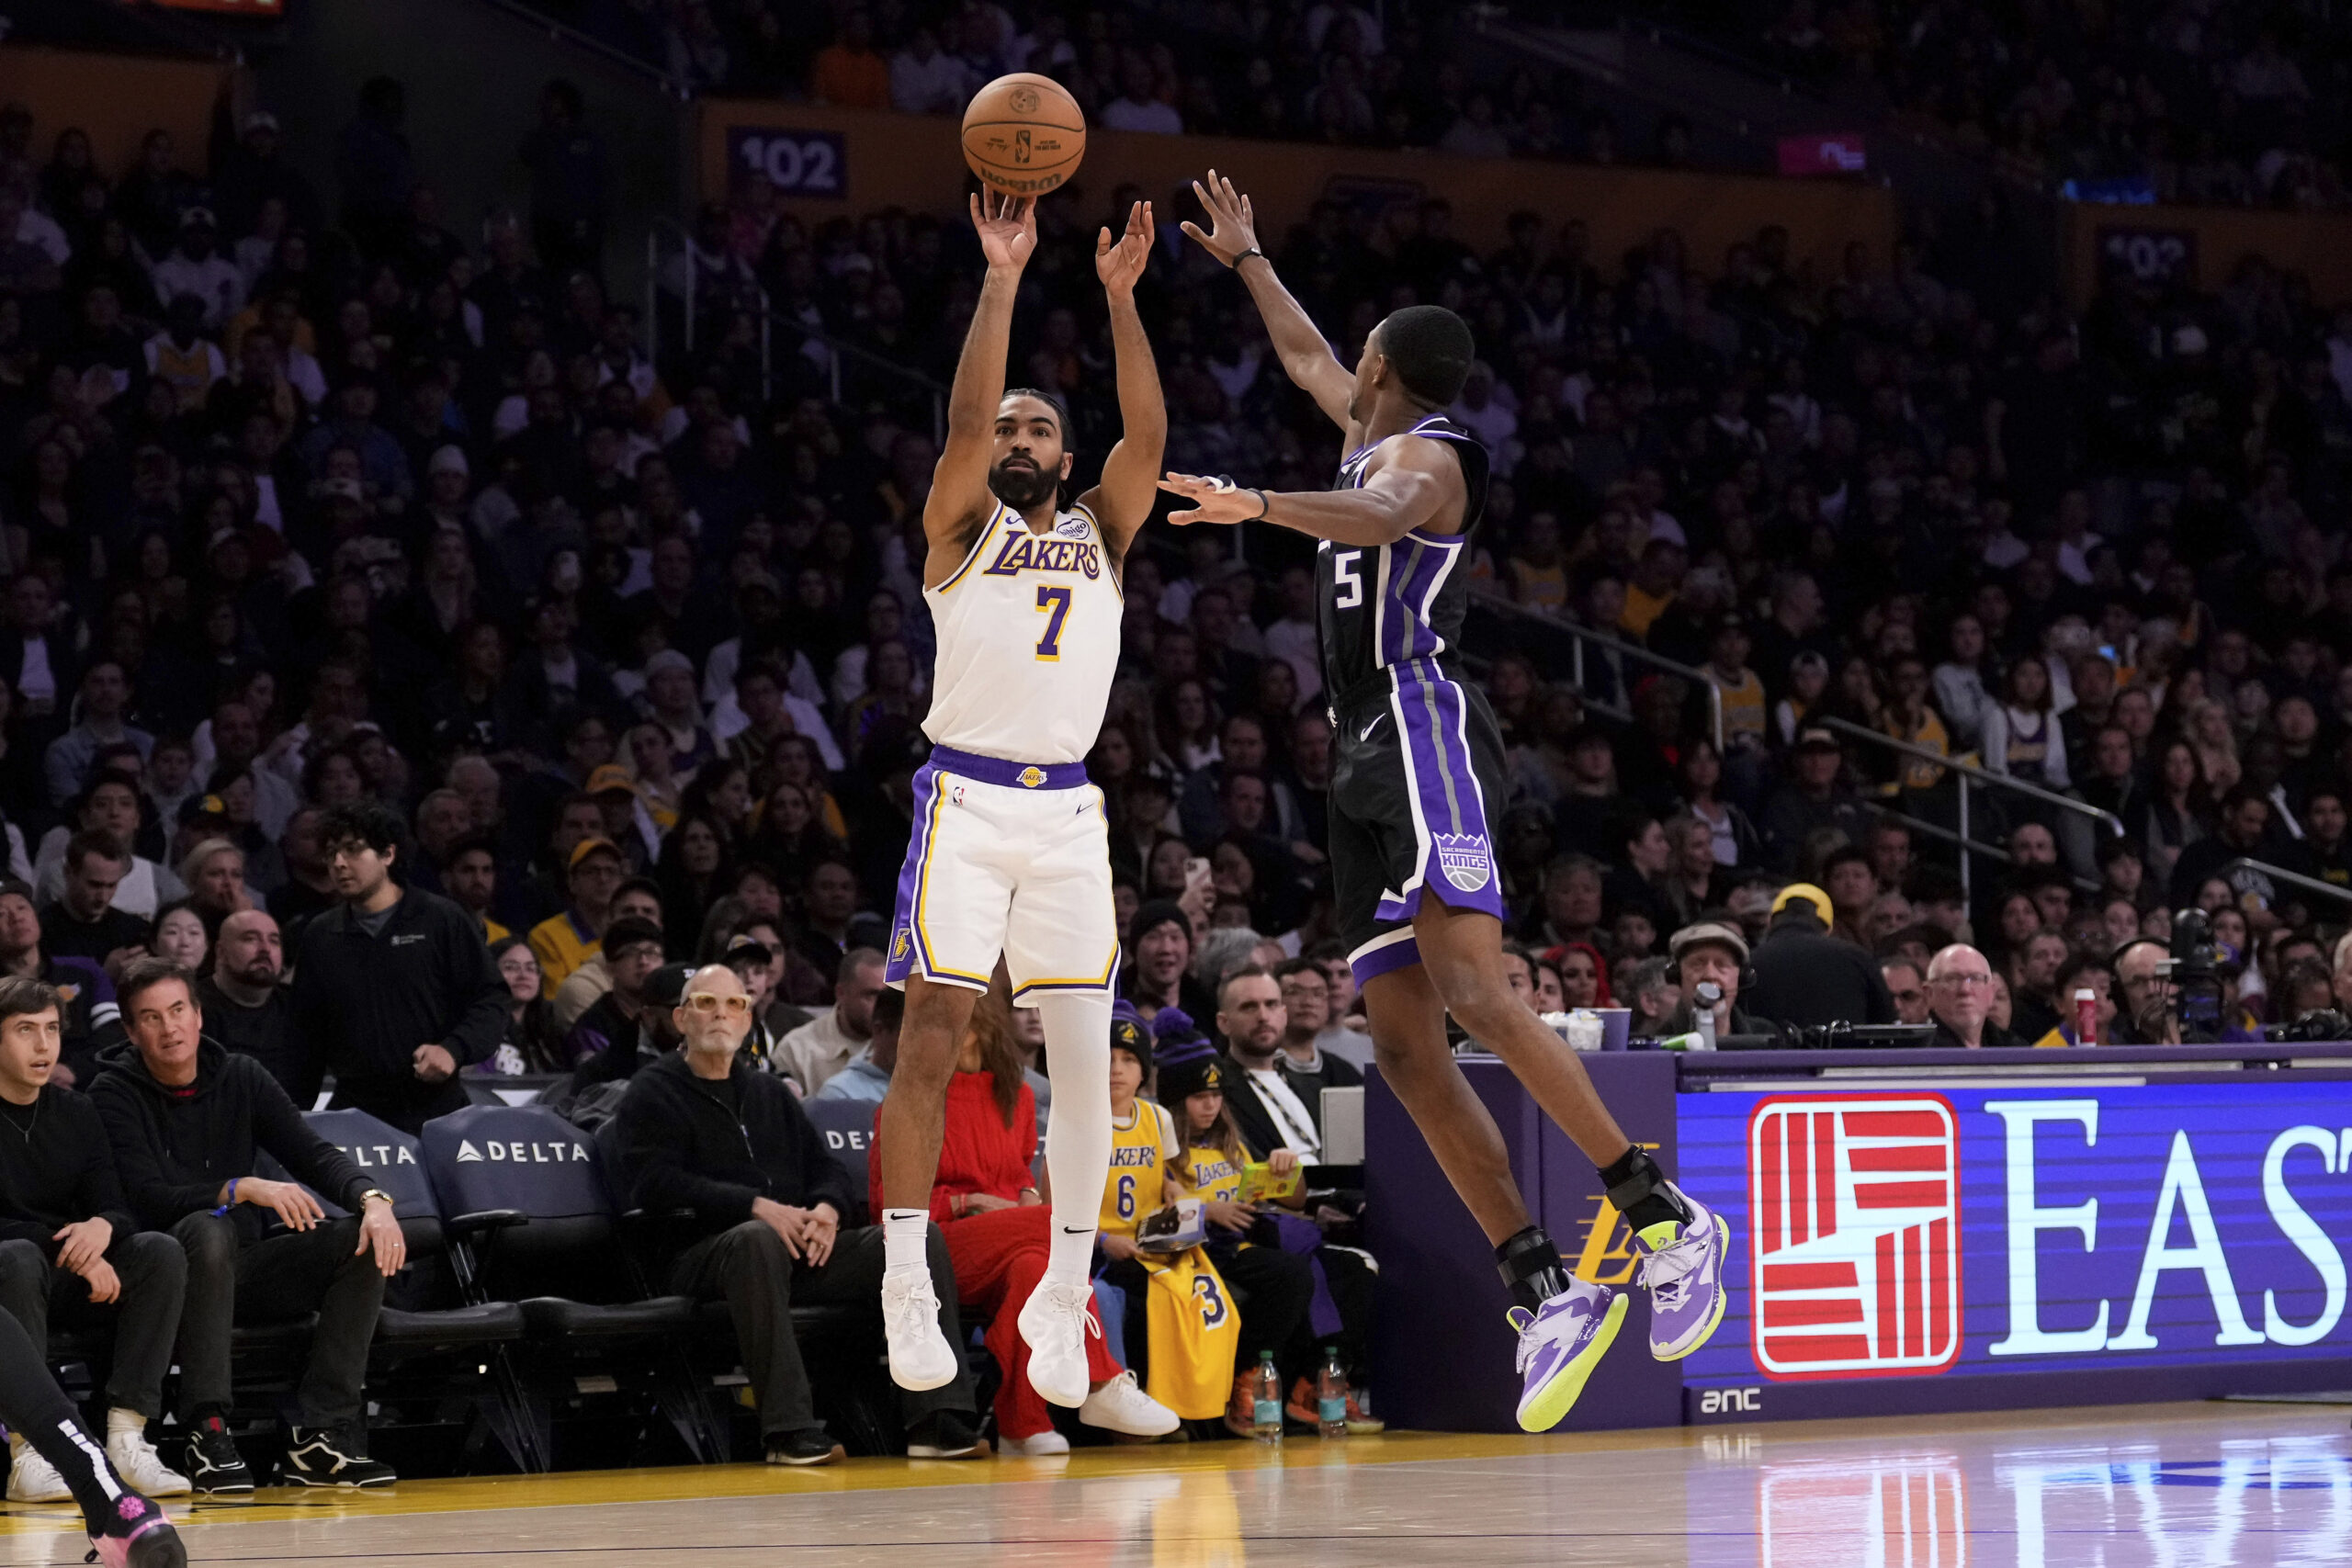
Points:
(1417, 758)
(1383, 605)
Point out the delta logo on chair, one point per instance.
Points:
(1854, 1221)
(520, 1153)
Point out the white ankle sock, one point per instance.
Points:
(120, 1420)
(1078, 1139)
(904, 1235)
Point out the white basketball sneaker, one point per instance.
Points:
(1055, 1323)
(136, 1461)
(33, 1479)
(921, 1356)
(1120, 1407)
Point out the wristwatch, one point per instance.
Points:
(376, 1193)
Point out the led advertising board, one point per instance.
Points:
(1908, 1248)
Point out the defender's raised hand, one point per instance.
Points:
(1233, 228)
(1214, 500)
(1119, 264)
(1007, 227)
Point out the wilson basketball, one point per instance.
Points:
(1023, 134)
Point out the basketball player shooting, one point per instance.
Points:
(1416, 768)
(1011, 850)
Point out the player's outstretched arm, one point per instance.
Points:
(960, 502)
(1121, 501)
(1415, 484)
(1307, 357)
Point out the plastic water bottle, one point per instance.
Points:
(1266, 1401)
(1331, 1396)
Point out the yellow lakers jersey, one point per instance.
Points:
(1212, 1175)
(1192, 1328)
(1028, 634)
(1139, 1155)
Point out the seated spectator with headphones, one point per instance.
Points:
(704, 1131)
(188, 1122)
(1707, 954)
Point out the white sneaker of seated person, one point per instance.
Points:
(1055, 1323)
(136, 1461)
(1047, 1444)
(33, 1479)
(1120, 1407)
(921, 1356)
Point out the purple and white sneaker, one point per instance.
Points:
(1682, 1266)
(1559, 1343)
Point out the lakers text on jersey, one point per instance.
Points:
(1010, 854)
(1417, 756)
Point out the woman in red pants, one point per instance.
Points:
(998, 1229)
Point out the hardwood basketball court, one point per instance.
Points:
(2231, 1485)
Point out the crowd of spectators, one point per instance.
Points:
(2194, 100)
(313, 503)
(1391, 75)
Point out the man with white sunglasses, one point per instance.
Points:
(704, 1133)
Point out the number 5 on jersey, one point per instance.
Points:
(1054, 603)
(1346, 581)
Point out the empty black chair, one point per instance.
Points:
(848, 1128)
(531, 1220)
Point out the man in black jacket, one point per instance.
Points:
(395, 986)
(1806, 978)
(246, 1009)
(702, 1130)
(69, 1242)
(187, 1122)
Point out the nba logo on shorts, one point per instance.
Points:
(1464, 859)
(1854, 1221)
(1032, 777)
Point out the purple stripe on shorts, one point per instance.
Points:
(905, 935)
(1385, 960)
(1460, 853)
(1011, 775)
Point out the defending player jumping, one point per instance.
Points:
(1416, 774)
(1011, 851)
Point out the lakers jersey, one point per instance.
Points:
(1379, 606)
(1139, 1155)
(1028, 641)
(1212, 1175)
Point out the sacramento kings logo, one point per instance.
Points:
(1464, 859)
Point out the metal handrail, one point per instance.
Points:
(2292, 878)
(1580, 635)
(836, 348)
(564, 32)
(1971, 771)
(1968, 772)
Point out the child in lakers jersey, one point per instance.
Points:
(1009, 852)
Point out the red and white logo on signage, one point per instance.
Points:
(1854, 1223)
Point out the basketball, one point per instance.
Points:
(1023, 134)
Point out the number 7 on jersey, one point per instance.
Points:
(1053, 602)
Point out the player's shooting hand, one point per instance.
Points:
(1214, 499)
(1008, 228)
(1121, 263)
(1233, 227)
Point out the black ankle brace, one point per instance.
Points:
(1638, 1189)
(1531, 1267)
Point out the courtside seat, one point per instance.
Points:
(847, 1127)
(490, 1322)
(531, 1221)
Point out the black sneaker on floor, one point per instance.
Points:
(317, 1457)
(214, 1466)
(945, 1434)
(811, 1445)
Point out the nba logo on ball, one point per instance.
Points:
(1854, 1226)
(1464, 859)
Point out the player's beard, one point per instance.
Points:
(1022, 488)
